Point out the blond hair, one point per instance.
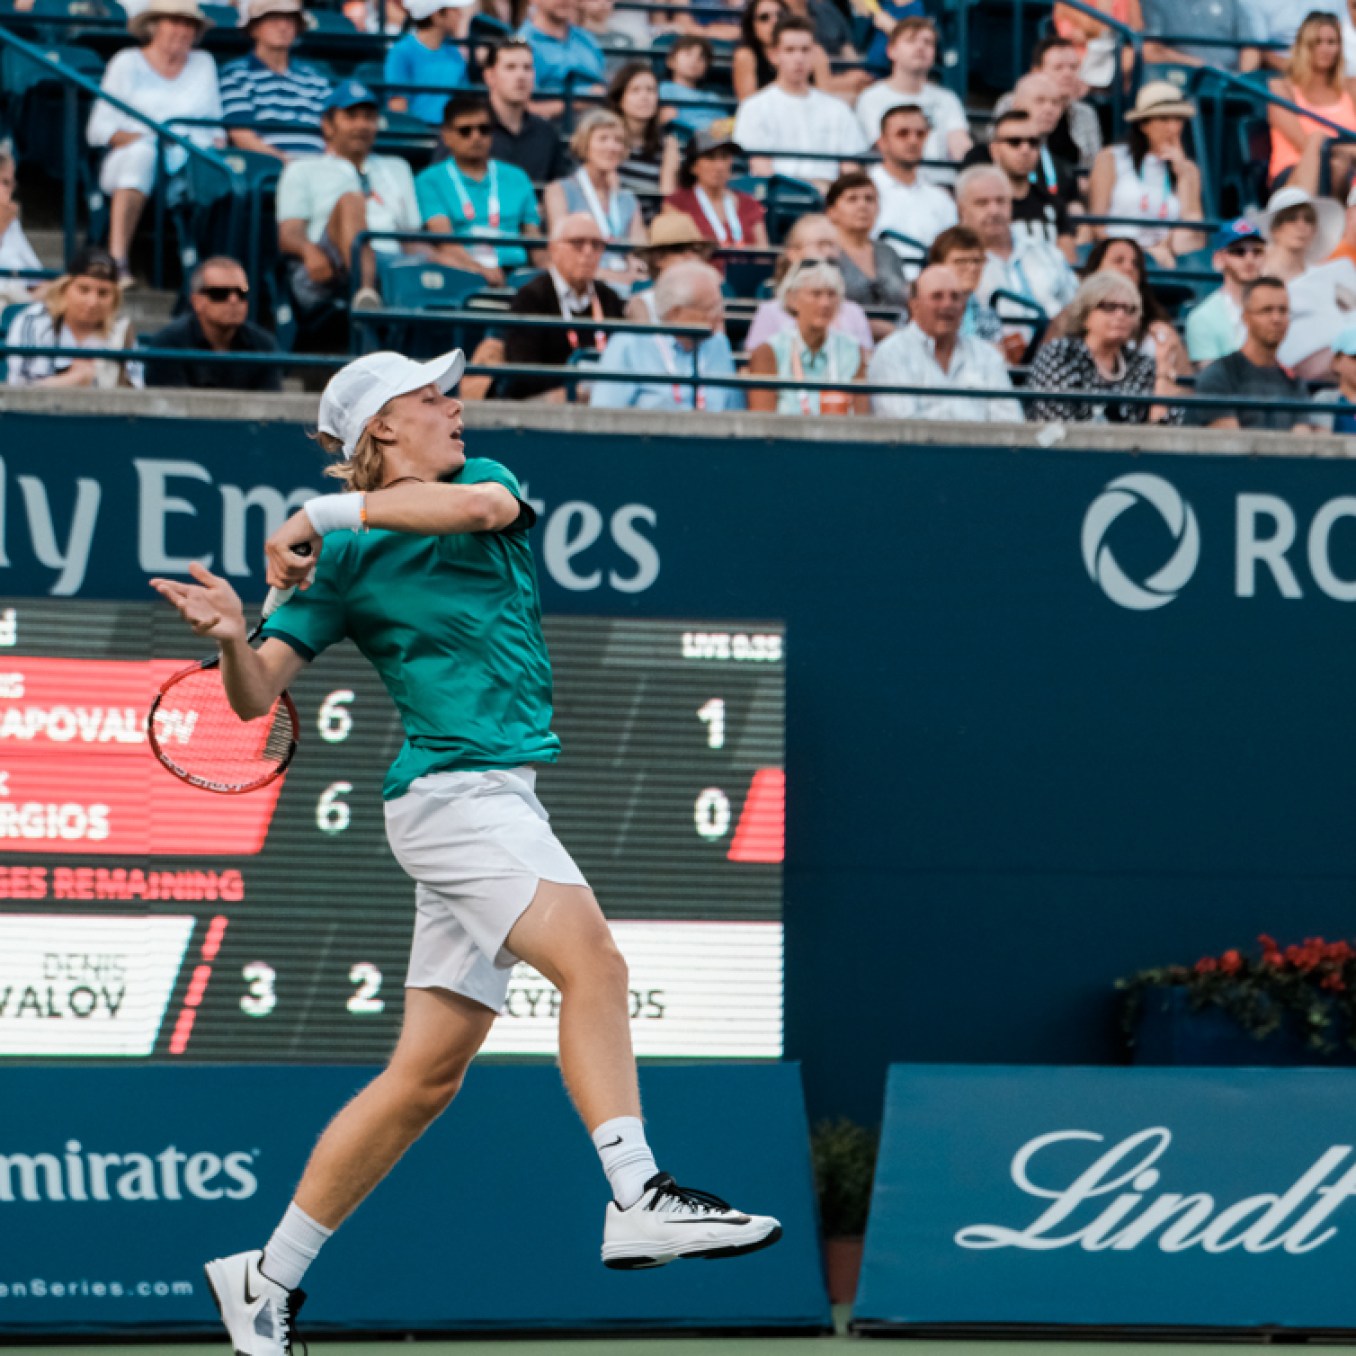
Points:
(589, 124)
(364, 470)
(1301, 65)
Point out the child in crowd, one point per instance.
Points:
(688, 64)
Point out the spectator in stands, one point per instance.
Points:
(428, 54)
(1100, 360)
(960, 250)
(1095, 43)
(164, 78)
(216, 321)
(651, 163)
(931, 351)
(1279, 22)
(15, 251)
(1214, 327)
(81, 309)
(1151, 176)
(1304, 152)
(913, 53)
(471, 194)
(722, 214)
(873, 274)
(268, 86)
(1155, 328)
(1233, 22)
(375, 16)
(324, 202)
(1015, 148)
(674, 240)
(1342, 418)
(791, 115)
(562, 52)
(599, 144)
(1037, 95)
(811, 349)
(1301, 234)
(521, 138)
(812, 237)
(1026, 266)
(1254, 371)
(752, 68)
(687, 104)
(687, 294)
(1346, 246)
(1076, 136)
(909, 204)
(569, 288)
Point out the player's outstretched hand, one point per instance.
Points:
(211, 606)
(287, 569)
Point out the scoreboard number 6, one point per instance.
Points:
(334, 720)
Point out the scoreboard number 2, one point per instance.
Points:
(368, 979)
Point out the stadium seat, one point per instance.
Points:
(421, 285)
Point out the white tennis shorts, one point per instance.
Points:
(477, 845)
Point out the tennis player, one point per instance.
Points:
(424, 562)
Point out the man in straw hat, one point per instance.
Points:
(268, 86)
(674, 239)
(424, 560)
(164, 78)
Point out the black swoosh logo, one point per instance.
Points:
(742, 1220)
(612, 1144)
(249, 1299)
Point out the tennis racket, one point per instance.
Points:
(206, 744)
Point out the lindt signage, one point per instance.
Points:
(1122, 1195)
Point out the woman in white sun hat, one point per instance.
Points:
(424, 562)
(1301, 233)
(164, 78)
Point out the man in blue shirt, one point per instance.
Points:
(268, 86)
(686, 294)
(561, 49)
(471, 194)
(429, 55)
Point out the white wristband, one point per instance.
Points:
(337, 512)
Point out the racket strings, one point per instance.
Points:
(197, 734)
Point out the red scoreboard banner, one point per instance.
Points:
(76, 775)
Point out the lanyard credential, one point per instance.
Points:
(698, 395)
(798, 371)
(468, 210)
(610, 229)
(727, 225)
(599, 338)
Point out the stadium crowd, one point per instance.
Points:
(781, 190)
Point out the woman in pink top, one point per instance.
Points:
(1316, 81)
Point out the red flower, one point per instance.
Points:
(1206, 965)
(1333, 983)
(1231, 962)
(1269, 946)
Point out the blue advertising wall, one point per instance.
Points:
(116, 1185)
(1204, 1199)
(1046, 724)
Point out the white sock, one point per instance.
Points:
(294, 1246)
(626, 1156)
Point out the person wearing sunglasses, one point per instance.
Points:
(1037, 211)
(470, 194)
(217, 321)
(1214, 326)
(1100, 361)
(909, 203)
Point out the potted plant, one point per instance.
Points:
(1283, 1005)
(844, 1158)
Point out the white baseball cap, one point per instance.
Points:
(419, 10)
(359, 391)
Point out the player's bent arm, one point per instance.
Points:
(254, 678)
(442, 510)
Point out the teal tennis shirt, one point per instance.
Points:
(453, 627)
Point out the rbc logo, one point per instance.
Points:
(1161, 587)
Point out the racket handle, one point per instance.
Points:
(277, 597)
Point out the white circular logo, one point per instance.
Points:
(1163, 586)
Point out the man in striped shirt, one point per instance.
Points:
(268, 86)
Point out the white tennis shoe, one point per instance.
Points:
(669, 1222)
(258, 1313)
